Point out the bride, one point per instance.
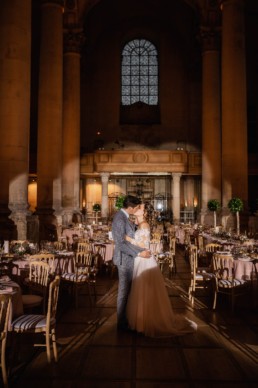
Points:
(149, 310)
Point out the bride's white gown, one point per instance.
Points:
(149, 310)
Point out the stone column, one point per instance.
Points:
(15, 59)
(211, 125)
(50, 118)
(71, 125)
(234, 110)
(104, 197)
(176, 197)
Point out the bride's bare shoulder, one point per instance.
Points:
(144, 225)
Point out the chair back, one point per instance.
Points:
(5, 320)
(82, 261)
(52, 301)
(100, 251)
(193, 258)
(212, 247)
(200, 242)
(83, 247)
(39, 272)
(48, 258)
(5, 310)
(223, 266)
(156, 237)
(60, 245)
(172, 244)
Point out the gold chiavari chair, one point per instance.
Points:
(226, 283)
(200, 277)
(84, 274)
(5, 315)
(42, 324)
(37, 284)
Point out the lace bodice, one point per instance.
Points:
(143, 236)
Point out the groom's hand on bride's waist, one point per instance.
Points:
(145, 254)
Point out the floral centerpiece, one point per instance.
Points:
(20, 248)
(214, 205)
(235, 205)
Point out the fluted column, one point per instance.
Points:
(15, 59)
(234, 110)
(211, 124)
(71, 124)
(176, 197)
(104, 196)
(50, 114)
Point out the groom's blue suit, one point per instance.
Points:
(124, 255)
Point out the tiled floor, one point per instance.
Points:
(222, 353)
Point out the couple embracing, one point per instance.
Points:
(143, 303)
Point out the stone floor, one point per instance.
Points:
(222, 353)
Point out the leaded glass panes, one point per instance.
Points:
(139, 73)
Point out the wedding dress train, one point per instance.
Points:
(149, 310)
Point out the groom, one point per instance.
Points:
(124, 254)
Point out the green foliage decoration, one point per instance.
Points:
(213, 205)
(96, 207)
(119, 201)
(235, 205)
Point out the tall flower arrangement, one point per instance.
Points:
(235, 205)
(214, 205)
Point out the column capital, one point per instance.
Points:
(176, 175)
(73, 40)
(210, 39)
(104, 176)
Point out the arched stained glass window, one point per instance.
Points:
(139, 73)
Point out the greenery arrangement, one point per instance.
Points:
(235, 205)
(96, 207)
(119, 201)
(213, 206)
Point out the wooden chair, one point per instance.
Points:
(48, 258)
(200, 276)
(84, 274)
(37, 284)
(60, 245)
(210, 248)
(172, 254)
(42, 324)
(83, 247)
(5, 316)
(225, 281)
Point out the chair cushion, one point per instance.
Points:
(31, 300)
(30, 322)
(73, 277)
(224, 283)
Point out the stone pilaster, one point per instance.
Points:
(71, 125)
(234, 109)
(211, 112)
(176, 197)
(15, 59)
(104, 196)
(50, 103)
